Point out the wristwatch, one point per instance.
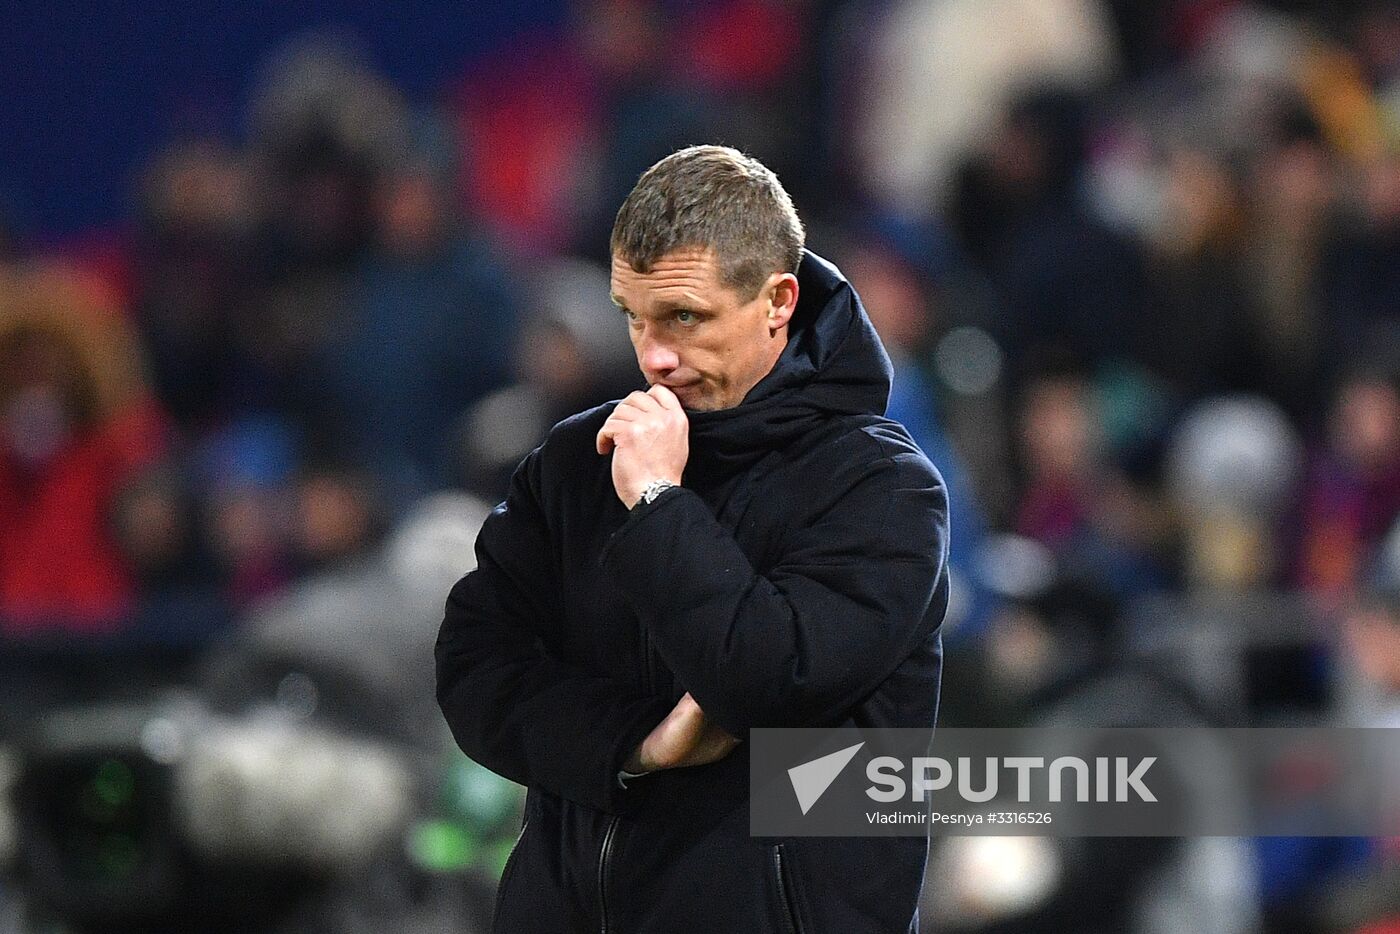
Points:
(654, 489)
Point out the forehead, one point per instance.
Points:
(689, 274)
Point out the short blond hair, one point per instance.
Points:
(717, 198)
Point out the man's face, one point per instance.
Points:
(697, 336)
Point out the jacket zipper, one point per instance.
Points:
(603, 856)
(785, 892)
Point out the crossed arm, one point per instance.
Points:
(515, 707)
(798, 646)
(648, 438)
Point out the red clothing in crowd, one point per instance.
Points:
(59, 564)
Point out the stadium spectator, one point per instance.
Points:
(1351, 497)
(76, 424)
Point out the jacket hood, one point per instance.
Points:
(833, 364)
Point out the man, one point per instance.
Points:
(749, 543)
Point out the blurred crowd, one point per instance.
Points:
(1137, 265)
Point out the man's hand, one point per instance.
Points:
(684, 738)
(649, 437)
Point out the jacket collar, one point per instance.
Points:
(833, 364)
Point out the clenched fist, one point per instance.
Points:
(649, 437)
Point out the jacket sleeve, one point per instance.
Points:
(512, 706)
(852, 595)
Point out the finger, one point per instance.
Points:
(615, 433)
(614, 426)
(626, 413)
(665, 397)
(643, 401)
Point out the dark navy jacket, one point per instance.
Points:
(797, 578)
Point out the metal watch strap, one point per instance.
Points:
(654, 489)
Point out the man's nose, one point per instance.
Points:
(654, 355)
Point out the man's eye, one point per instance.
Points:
(687, 317)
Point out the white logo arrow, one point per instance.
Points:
(810, 780)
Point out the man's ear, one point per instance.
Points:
(782, 300)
